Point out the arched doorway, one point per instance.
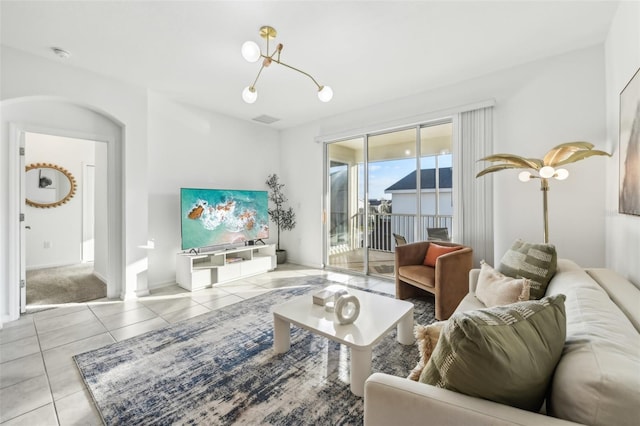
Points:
(64, 118)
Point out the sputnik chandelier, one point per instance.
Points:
(252, 53)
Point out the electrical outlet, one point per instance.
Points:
(47, 244)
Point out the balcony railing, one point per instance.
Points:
(382, 226)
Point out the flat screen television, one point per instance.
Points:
(219, 217)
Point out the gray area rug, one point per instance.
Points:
(64, 284)
(219, 369)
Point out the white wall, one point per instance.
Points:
(538, 106)
(301, 172)
(193, 148)
(561, 101)
(26, 76)
(101, 207)
(622, 61)
(60, 227)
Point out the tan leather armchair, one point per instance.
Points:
(448, 281)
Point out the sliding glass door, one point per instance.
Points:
(346, 239)
(383, 188)
(391, 164)
(436, 189)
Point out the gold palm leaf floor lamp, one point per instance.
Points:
(543, 169)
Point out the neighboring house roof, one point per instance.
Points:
(427, 180)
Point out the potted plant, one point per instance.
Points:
(284, 218)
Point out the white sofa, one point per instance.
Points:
(596, 382)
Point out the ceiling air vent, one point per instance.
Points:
(266, 119)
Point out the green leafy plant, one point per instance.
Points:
(284, 218)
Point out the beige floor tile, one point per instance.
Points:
(78, 409)
(21, 369)
(19, 348)
(61, 356)
(208, 294)
(164, 304)
(24, 397)
(12, 334)
(284, 283)
(123, 319)
(65, 382)
(23, 320)
(223, 301)
(72, 333)
(47, 324)
(338, 277)
(274, 275)
(138, 328)
(388, 288)
(244, 290)
(170, 290)
(43, 416)
(112, 307)
(61, 310)
(183, 314)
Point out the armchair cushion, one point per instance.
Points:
(422, 274)
(434, 251)
(505, 354)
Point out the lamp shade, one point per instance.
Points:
(250, 51)
(249, 94)
(547, 172)
(562, 174)
(524, 176)
(325, 94)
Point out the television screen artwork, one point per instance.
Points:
(213, 217)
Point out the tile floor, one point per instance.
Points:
(39, 382)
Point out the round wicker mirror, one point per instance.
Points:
(48, 185)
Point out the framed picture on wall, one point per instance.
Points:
(629, 201)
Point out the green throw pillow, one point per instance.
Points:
(536, 262)
(505, 354)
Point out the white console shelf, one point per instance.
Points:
(196, 271)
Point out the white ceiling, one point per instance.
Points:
(367, 51)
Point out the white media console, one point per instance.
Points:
(196, 271)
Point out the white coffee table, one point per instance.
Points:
(378, 315)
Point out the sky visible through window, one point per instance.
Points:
(383, 174)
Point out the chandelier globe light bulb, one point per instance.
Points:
(250, 51)
(325, 94)
(547, 172)
(249, 94)
(524, 176)
(562, 174)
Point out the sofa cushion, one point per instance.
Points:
(505, 354)
(597, 381)
(434, 251)
(426, 340)
(621, 291)
(496, 289)
(536, 262)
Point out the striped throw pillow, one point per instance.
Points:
(536, 262)
(505, 354)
